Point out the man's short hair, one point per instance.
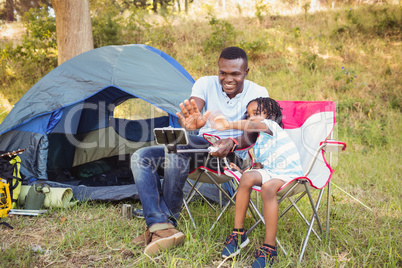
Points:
(232, 53)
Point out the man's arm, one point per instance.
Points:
(200, 103)
(250, 134)
(245, 140)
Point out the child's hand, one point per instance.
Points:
(235, 167)
(257, 165)
(219, 122)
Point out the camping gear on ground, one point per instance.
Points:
(9, 171)
(5, 201)
(27, 212)
(54, 197)
(127, 211)
(5, 198)
(10, 182)
(104, 172)
(35, 197)
(138, 213)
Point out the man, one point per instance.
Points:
(229, 93)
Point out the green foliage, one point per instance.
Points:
(261, 9)
(106, 31)
(114, 25)
(296, 32)
(106, 22)
(223, 35)
(254, 48)
(138, 30)
(207, 8)
(164, 7)
(372, 131)
(348, 76)
(310, 60)
(387, 22)
(352, 17)
(395, 103)
(373, 20)
(3, 11)
(36, 55)
(306, 7)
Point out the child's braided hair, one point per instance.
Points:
(271, 108)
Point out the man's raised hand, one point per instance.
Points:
(190, 117)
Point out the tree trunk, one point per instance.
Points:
(73, 28)
(314, 5)
(183, 4)
(10, 10)
(223, 4)
(155, 6)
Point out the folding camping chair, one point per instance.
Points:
(203, 174)
(171, 137)
(310, 124)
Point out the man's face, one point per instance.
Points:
(231, 75)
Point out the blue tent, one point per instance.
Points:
(65, 118)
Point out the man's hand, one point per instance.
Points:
(190, 117)
(225, 146)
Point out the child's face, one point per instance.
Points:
(253, 114)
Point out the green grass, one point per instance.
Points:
(313, 56)
(95, 234)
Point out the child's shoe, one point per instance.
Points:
(264, 257)
(232, 247)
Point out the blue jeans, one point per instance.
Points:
(162, 203)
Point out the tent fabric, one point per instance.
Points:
(76, 98)
(134, 69)
(108, 142)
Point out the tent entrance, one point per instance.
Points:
(107, 133)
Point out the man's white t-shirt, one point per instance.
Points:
(210, 90)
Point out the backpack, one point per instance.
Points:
(10, 164)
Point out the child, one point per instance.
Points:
(279, 162)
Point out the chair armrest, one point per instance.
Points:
(327, 146)
(333, 146)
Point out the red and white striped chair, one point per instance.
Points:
(311, 125)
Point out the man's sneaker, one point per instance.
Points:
(264, 257)
(143, 239)
(163, 239)
(232, 247)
